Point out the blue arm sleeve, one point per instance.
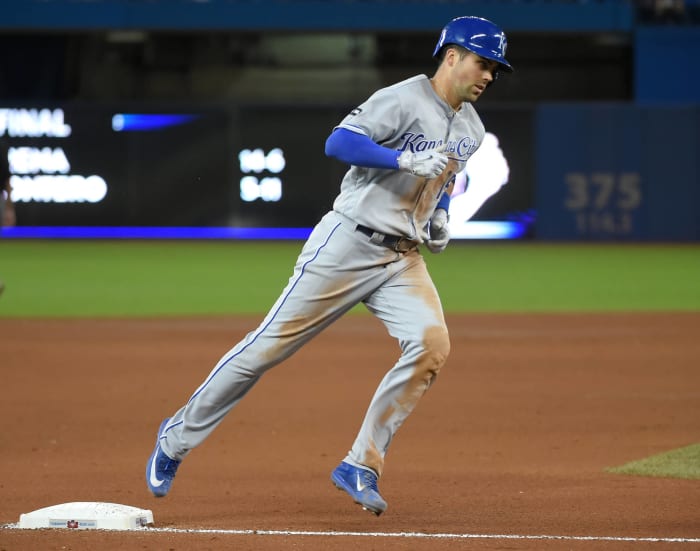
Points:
(444, 202)
(359, 150)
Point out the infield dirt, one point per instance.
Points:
(512, 439)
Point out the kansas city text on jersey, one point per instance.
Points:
(462, 148)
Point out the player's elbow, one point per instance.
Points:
(332, 148)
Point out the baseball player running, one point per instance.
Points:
(404, 144)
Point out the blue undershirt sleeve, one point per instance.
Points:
(444, 202)
(359, 150)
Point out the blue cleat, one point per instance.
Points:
(361, 485)
(160, 469)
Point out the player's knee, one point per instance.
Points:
(436, 344)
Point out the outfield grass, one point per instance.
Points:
(148, 278)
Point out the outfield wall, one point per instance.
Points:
(620, 172)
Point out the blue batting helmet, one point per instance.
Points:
(477, 35)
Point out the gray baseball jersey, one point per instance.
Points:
(340, 267)
(407, 115)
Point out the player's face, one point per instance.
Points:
(471, 74)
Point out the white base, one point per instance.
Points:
(88, 515)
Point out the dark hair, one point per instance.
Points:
(462, 52)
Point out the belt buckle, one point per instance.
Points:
(403, 245)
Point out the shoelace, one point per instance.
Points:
(370, 480)
(169, 466)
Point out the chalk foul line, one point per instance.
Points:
(426, 535)
(418, 535)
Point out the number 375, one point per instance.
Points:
(602, 190)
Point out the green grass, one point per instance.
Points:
(110, 278)
(149, 278)
(531, 277)
(679, 463)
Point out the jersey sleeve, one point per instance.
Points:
(377, 117)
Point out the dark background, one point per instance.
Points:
(283, 73)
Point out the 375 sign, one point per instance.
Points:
(603, 204)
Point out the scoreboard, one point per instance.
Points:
(193, 166)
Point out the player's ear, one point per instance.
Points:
(447, 54)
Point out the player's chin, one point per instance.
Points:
(476, 92)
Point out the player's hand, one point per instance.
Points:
(427, 164)
(439, 232)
